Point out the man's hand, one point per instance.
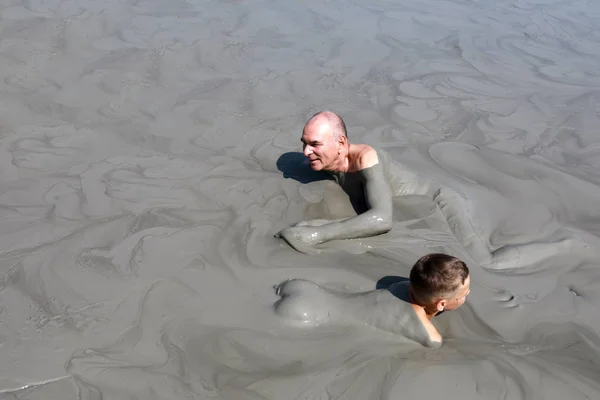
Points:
(302, 238)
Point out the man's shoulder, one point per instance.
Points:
(367, 156)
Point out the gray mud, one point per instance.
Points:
(141, 186)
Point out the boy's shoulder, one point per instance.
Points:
(434, 335)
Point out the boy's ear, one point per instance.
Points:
(441, 305)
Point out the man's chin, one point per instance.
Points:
(315, 165)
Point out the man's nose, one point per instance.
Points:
(307, 150)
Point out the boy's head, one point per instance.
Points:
(440, 281)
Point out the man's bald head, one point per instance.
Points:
(325, 141)
(335, 122)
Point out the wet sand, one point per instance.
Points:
(141, 188)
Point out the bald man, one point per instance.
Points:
(372, 178)
(369, 177)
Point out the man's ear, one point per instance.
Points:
(343, 140)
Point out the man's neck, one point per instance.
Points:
(341, 166)
(346, 160)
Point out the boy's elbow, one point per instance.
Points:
(435, 343)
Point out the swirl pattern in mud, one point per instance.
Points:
(140, 191)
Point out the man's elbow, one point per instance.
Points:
(386, 226)
(382, 223)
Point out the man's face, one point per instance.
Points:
(459, 297)
(320, 146)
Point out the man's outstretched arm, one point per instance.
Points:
(376, 220)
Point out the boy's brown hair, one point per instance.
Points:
(437, 275)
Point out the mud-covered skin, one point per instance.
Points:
(370, 191)
(311, 304)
